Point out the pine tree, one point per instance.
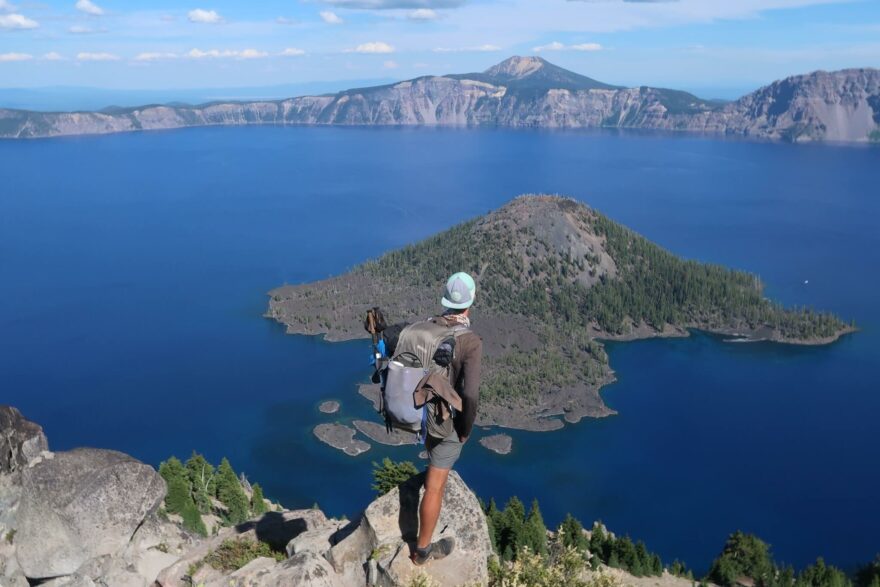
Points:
(573, 534)
(201, 477)
(192, 519)
(230, 493)
(178, 485)
(535, 532)
(258, 503)
(511, 531)
(599, 543)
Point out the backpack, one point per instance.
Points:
(413, 359)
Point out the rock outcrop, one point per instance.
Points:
(79, 505)
(519, 92)
(20, 440)
(88, 518)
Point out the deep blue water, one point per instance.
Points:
(133, 272)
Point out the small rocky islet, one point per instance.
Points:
(341, 437)
(329, 407)
(500, 444)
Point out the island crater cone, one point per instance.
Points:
(555, 278)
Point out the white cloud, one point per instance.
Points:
(422, 14)
(89, 7)
(83, 30)
(557, 46)
(330, 17)
(6, 6)
(286, 21)
(204, 16)
(53, 56)
(292, 52)
(477, 49)
(155, 56)
(226, 54)
(390, 64)
(394, 4)
(8, 57)
(554, 46)
(97, 57)
(252, 54)
(17, 21)
(586, 47)
(373, 48)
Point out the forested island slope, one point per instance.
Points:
(519, 92)
(554, 278)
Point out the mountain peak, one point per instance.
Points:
(537, 74)
(516, 67)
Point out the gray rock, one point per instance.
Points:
(308, 568)
(318, 540)
(79, 505)
(76, 580)
(20, 440)
(392, 520)
(11, 574)
(389, 527)
(274, 528)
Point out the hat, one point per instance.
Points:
(459, 292)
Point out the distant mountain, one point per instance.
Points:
(520, 92)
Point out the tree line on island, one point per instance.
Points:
(653, 285)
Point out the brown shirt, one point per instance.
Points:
(464, 373)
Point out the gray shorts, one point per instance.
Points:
(443, 452)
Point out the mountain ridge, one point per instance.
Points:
(519, 92)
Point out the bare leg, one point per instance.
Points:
(429, 510)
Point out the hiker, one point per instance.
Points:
(445, 439)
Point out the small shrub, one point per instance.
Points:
(423, 580)
(10, 536)
(390, 474)
(233, 554)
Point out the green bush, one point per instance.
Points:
(233, 554)
(390, 474)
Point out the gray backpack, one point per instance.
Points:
(413, 359)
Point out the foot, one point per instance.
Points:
(435, 551)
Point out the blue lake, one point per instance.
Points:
(134, 268)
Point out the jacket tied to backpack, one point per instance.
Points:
(434, 388)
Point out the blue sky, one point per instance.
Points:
(721, 46)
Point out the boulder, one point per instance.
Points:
(318, 540)
(20, 440)
(10, 573)
(80, 505)
(305, 568)
(389, 528)
(75, 580)
(274, 528)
